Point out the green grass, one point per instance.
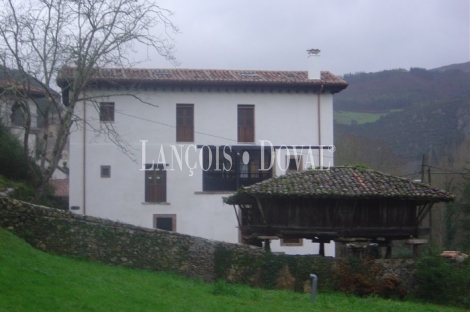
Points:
(31, 280)
(347, 118)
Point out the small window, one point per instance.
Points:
(248, 75)
(165, 222)
(107, 111)
(294, 163)
(246, 123)
(106, 171)
(184, 122)
(292, 242)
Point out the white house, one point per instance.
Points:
(22, 95)
(196, 135)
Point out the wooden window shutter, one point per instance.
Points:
(155, 185)
(185, 122)
(107, 111)
(246, 123)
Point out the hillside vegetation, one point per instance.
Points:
(411, 112)
(382, 91)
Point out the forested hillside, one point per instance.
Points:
(399, 89)
(428, 111)
(428, 127)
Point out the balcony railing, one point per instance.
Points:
(230, 180)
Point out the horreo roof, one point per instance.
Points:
(342, 182)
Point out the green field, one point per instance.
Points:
(347, 118)
(31, 280)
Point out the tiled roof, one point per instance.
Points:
(208, 76)
(10, 78)
(33, 91)
(61, 187)
(344, 182)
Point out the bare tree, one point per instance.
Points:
(40, 38)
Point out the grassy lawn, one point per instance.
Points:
(31, 280)
(347, 118)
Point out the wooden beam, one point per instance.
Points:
(267, 237)
(423, 212)
(260, 209)
(238, 217)
(319, 240)
(416, 241)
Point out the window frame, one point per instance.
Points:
(106, 111)
(184, 130)
(169, 216)
(246, 123)
(102, 171)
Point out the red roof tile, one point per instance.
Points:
(61, 187)
(208, 76)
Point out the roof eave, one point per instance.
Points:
(142, 83)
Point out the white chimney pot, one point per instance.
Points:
(314, 71)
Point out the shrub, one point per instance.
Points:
(362, 278)
(441, 281)
(14, 164)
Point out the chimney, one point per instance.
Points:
(314, 64)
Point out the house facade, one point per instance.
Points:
(22, 96)
(192, 137)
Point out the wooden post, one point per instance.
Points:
(322, 249)
(422, 168)
(388, 252)
(267, 245)
(415, 252)
(415, 242)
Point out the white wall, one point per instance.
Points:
(281, 118)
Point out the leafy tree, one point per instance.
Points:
(38, 38)
(455, 177)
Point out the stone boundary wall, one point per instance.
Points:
(65, 233)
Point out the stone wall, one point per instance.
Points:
(65, 233)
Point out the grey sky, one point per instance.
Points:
(354, 35)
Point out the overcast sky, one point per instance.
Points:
(353, 35)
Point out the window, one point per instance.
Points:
(292, 162)
(106, 111)
(155, 184)
(17, 118)
(165, 222)
(292, 242)
(106, 171)
(184, 122)
(246, 123)
(241, 167)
